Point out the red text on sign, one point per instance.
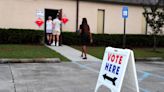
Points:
(115, 58)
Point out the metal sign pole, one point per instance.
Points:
(124, 37)
(125, 16)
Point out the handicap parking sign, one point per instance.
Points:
(125, 12)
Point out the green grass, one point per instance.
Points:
(28, 51)
(138, 52)
(148, 52)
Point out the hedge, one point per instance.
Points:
(114, 40)
(21, 36)
(26, 36)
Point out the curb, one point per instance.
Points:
(35, 60)
(150, 59)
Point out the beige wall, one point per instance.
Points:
(113, 17)
(22, 13)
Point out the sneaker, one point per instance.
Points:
(85, 58)
(53, 44)
(57, 43)
(49, 44)
(81, 55)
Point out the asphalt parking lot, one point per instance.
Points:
(71, 77)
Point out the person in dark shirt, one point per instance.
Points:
(85, 36)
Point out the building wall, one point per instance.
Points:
(113, 17)
(22, 13)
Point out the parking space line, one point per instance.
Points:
(144, 90)
(151, 74)
(93, 70)
(144, 76)
(13, 79)
(85, 66)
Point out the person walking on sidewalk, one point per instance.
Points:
(86, 37)
(49, 30)
(56, 30)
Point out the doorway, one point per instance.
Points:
(100, 21)
(53, 13)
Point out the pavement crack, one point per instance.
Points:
(13, 80)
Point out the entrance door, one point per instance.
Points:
(100, 21)
(53, 13)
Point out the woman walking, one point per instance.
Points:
(86, 37)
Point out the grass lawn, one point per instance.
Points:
(28, 51)
(138, 52)
(148, 52)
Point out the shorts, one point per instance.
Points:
(55, 32)
(85, 40)
(49, 31)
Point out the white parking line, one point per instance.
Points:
(85, 66)
(93, 70)
(151, 74)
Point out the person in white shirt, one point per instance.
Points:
(49, 29)
(56, 30)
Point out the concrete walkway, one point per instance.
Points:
(72, 54)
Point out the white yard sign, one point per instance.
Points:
(118, 72)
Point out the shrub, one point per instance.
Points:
(70, 38)
(114, 40)
(27, 36)
(21, 36)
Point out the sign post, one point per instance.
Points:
(124, 16)
(118, 72)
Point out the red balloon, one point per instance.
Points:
(39, 22)
(64, 20)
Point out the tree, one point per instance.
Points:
(154, 16)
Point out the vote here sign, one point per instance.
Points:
(113, 69)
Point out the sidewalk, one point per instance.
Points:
(72, 54)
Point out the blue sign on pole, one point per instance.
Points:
(125, 12)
